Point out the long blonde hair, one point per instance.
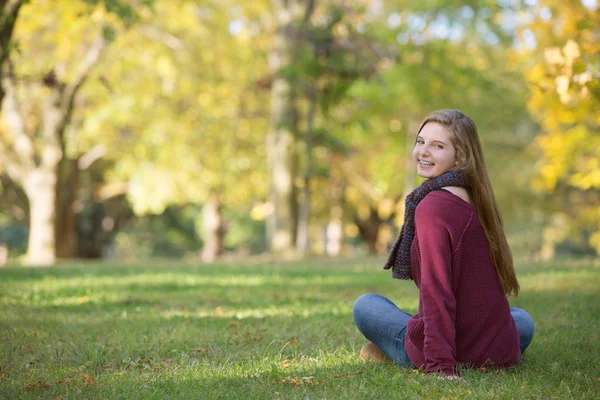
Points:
(469, 155)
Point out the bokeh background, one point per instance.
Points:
(229, 129)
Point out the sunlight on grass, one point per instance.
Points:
(263, 332)
(52, 284)
(586, 281)
(260, 313)
(293, 310)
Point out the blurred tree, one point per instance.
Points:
(282, 224)
(9, 12)
(183, 117)
(445, 56)
(329, 56)
(67, 39)
(563, 71)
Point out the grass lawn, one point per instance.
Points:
(169, 330)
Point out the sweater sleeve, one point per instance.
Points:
(438, 304)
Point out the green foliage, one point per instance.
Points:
(180, 107)
(126, 10)
(171, 234)
(245, 235)
(178, 114)
(14, 235)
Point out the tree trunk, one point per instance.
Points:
(213, 230)
(304, 213)
(334, 237)
(282, 224)
(66, 218)
(368, 229)
(40, 187)
(9, 11)
(91, 231)
(33, 159)
(334, 234)
(98, 223)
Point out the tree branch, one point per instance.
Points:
(310, 8)
(89, 60)
(15, 122)
(95, 153)
(169, 40)
(362, 184)
(9, 10)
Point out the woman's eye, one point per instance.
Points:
(420, 142)
(440, 146)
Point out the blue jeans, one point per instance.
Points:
(384, 324)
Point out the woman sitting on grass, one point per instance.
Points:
(453, 246)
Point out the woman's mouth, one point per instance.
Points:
(425, 163)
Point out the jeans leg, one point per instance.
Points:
(525, 326)
(384, 324)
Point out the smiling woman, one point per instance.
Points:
(453, 246)
(434, 152)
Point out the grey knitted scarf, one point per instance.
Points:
(399, 258)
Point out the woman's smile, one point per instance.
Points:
(434, 152)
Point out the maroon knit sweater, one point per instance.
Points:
(464, 316)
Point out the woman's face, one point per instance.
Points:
(434, 152)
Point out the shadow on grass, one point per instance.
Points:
(284, 314)
(323, 266)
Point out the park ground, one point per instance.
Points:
(265, 330)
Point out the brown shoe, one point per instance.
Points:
(370, 352)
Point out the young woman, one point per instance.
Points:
(452, 244)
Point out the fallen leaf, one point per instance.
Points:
(204, 351)
(292, 340)
(36, 386)
(342, 375)
(347, 374)
(84, 380)
(285, 363)
(88, 380)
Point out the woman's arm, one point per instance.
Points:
(438, 305)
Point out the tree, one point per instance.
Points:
(428, 69)
(184, 121)
(282, 224)
(564, 81)
(9, 12)
(39, 103)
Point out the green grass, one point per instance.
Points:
(264, 331)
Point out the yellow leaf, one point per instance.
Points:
(553, 56)
(571, 51)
